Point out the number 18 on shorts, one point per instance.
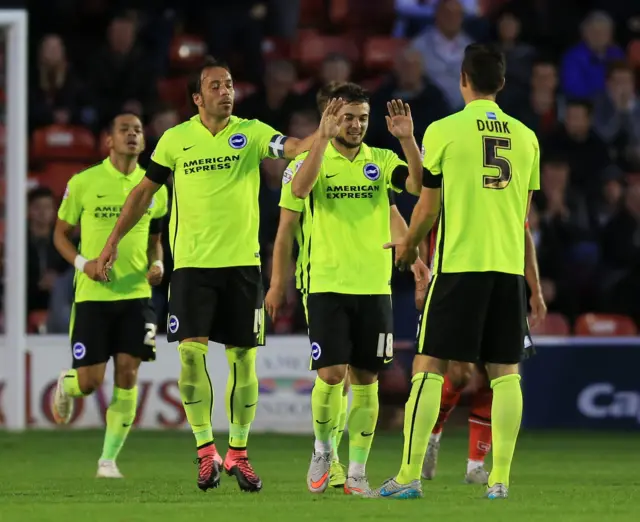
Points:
(350, 329)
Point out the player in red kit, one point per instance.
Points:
(460, 375)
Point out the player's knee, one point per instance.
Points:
(460, 374)
(90, 379)
(333, 375)
(126, 377)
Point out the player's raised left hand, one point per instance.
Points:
(405, 256)
(399, 120)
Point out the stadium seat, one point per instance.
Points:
(363, 16)
(37, 322)
(56, 175)
(64, 143)
(312, 13)
(103, 150)
(380, 52)
(605, 325)
(633, 53)
(554, 324)
(174, 91)
(311, 49)
(186, 51)
(274, 48)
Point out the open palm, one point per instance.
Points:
(399, 121)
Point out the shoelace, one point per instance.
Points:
(205, 465)
(247, 470)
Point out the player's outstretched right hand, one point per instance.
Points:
(105, 261)
(273, 301)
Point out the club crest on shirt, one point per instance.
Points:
(237, 141)
(66, 192)
(371, 171)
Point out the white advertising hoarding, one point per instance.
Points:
(282, 367)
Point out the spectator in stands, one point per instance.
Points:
(442, 49)
(122, 76)
(303, 123)
(621, 252)
(610, 199)
(519, 56)
(43, 262)
(544, 105)
(584, 66)
(335, 68)
(237, 26)
(409, 83)
(57, 94)
(586, 152)
(275, 101)
(414, 15)
(616, 116)
(164, 117)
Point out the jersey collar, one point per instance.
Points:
(482, 103)
(364, 154)
(232, 120)
(106, 163)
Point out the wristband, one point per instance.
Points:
(159, 264)
(79, 262)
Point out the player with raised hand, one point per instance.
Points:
(345, 272)
(216, 286)
(482, 168)
(112, 318)
(292, 227)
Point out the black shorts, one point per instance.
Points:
(350, 329)
(474, 317)
(223, 304)
(102, 329)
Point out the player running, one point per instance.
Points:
(459, 375)
(113, 318)
(346, 272)
(216, 286)
(475, 308)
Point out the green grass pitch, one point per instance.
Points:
(48, 476)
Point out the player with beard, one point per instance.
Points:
(340, 187)
(216, 286)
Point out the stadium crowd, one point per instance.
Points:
(571, 76)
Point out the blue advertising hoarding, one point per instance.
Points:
(583, 383)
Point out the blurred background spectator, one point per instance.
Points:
(572, 76)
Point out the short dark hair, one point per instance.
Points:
(619, 65)
(194, 85)
(350, 93)
(484, 66)
(38, 193)
(580, 102)
(112, 122)
(325, 93)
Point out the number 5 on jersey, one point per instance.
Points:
(492, 159)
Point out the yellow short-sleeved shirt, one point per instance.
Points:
(345, 222)
(489, 162)
(94, 199)
(216, 179)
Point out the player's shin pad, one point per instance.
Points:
(325, 408)
(241, 394)
(362, 422)
(506, 414)
(420, 414)
(342, 422)
(196, 390)
(120, 416)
